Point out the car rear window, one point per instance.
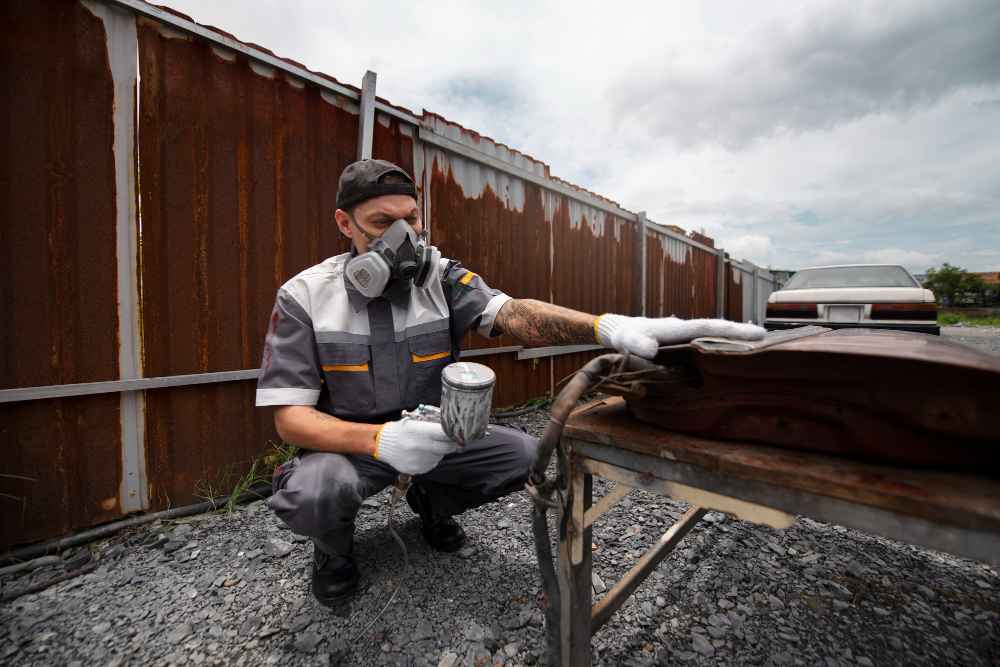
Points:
(852, 276)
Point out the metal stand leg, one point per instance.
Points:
(574, 573)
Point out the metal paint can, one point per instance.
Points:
(466, 399)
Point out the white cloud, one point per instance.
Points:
(900, 256)
(749, 245)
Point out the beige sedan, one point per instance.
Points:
(871, 296)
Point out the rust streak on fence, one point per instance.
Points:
(240, 168)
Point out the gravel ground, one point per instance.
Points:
(222, 589)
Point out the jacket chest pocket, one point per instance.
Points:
(348, 375)
(429, 354)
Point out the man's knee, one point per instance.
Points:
(519, 455)
(528, 448)
(320, 490)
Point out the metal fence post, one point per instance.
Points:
(720, 283)
(756, 299)
(366, 119)
(123, 56)
(641, 230)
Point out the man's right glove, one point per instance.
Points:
(644, 335)
(412, 447)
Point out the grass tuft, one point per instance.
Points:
(231, 485)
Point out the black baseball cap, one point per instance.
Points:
(366, 179)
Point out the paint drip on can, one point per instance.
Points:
(466, 399)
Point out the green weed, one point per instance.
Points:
(951, 319)
(231, 486)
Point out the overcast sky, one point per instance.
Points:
(830, 132)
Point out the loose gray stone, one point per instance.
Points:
(467, 552)
(278, 548)
(307, 642)
(475, 633)
(102, 627)
(518, 621)
(597, 583)
(855, 569)
(719, 620)
(250, 625)
(702, 645)
(300, 623)
(422, 631)
(172, 546)
(179, 633)
(511, 649)
(864, 661)
(448, 659)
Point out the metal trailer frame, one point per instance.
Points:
(705, 490)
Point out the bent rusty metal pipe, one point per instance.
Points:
(541, 491)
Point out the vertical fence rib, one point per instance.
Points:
(366, 121)
(641, 232)
(720, 283)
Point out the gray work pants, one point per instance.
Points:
(319, 493)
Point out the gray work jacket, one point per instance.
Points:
(366, 360)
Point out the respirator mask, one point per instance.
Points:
(395, 260)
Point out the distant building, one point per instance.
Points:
(991, 278)
(701, 238)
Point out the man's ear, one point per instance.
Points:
(344, 223)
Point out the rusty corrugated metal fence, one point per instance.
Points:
(162, 179)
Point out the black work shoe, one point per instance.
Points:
(442, 534)
(334, 578)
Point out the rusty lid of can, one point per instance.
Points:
(468, 375)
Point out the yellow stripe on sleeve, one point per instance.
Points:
(467, 278)
(348, 368)
(378, 442)
(417, 358)
(597, 335)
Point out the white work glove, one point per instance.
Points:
(643, 335)
(412, 447)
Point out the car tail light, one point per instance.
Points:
(792, 310)
(904, 311)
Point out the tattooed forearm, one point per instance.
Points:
(539, 323)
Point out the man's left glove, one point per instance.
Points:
(643, 335)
